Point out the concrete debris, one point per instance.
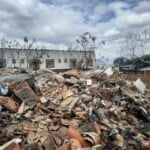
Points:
(12, 145)
(16, 77)
(72, 72)
(9, 103)
(59, 78)
(74, 110)
(24, 92)
(69, 103)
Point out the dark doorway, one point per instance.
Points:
(73, 63)
(34, 64)
(2, 63)
(50, 63)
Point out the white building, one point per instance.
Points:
(42, 59)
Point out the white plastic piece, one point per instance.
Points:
(4, 90)
(89, 81)
(109, 71)
(43, 100)
(140, 85)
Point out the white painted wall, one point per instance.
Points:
(47, 54)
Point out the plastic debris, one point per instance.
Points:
(140, 85)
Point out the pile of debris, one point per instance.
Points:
(96, 110)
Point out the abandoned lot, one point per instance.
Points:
(74, 110)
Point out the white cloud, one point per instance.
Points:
(143, 6)
(58, 23)
(111, 32)
(98, 12)
(118, 6)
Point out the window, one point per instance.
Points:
(22, 61)
(2, 63)
(73, 63)
(34, 64)
(13, 61)
(50, 63)
(59, 60)
(65, 60)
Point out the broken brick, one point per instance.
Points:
(9, 103)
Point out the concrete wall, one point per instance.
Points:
(9, 55)
(42, 55)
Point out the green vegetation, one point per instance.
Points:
(143, 60)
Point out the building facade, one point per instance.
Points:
(42, 59)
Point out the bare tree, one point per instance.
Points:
(15, 50)
(12, 52)
(131, 43)
(135, 42)
(87, 43)
(28, 47)
(135, 45)
(34, 53)
(3, 43)
(18, 51)
(38, 54)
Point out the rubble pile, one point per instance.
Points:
(73, 110)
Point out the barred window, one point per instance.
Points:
(65, 60)
(50, 63)
(22, 61)
(13, 61)
(59, 60)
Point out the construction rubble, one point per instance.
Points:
(73, 110)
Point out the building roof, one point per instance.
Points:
(49, 50)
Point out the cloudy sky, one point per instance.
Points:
(55, 24)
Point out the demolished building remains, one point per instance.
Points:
(46, 59)
(73, 110)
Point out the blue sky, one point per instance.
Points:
(57, 23)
